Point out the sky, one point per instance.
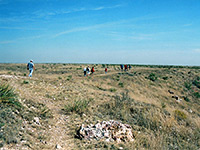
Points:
(160, 32)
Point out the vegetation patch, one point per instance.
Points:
(10, 122)
(152, 77)
(77, 106)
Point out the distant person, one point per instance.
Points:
(129, 67)
(30, 67)
(122, 67)
(106, 70)
(125, 67)
(85, 71)
(92, 70)
(88, 70)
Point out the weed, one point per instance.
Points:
(25, 82)
(196, 83)
(121, 84)
(10, 123)
(187, 85)
(179, 115)
(77, 106)
(112, 90)
(69, 77)
(163, 105)
(165, 78)
(196, 94)
(152, 77)
(186, 99)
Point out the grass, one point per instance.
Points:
(77, 106)
(10, 122)
(158, 121)
(152, 77)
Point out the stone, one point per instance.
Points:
(58, 146)
(37, 120)
(107, 130)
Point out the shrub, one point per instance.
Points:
(187, 85)
(121, 84)
(179, 115)
(152, 77)
(196, 83)
(197, 95)
(7, 96)
(112, 90)
(24, 74)
(165, 78)
(25, 82)
(77, 106)
(9, 121)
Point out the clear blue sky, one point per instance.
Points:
(100, 31)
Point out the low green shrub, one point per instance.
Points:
(77, 106)
(179, 115)
(152, 77)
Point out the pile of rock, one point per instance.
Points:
(107, 130)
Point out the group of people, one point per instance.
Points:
(125, 67)
(87, 71)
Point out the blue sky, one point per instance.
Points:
(100, 31)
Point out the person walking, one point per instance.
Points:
(85, 70)
(106, 70)
(88, 70)
(125, 67)
(92, 70)
(30, 67)
(122, 67)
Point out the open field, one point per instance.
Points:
(161, 103)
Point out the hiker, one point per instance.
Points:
(122, 67)
(106, 70)
(129, 67)
(88, 70)
(92, 70)
(125, 67)
(30, 67)
(85, 70)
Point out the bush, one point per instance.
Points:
(10, 123)
(25, 82)
(197, 95)
(179, 115)
(196, 83)
(77, 106)
(121, 84)
(152, 77)
(187, 85)
(165, 78)
(7, 96)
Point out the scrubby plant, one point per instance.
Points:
(121, 84)
(77, 106)
(9, 121)
(165, 78)
(197, 94)
(112, 90)
(179, 115)
(7, 96)
(188, 85)
(196, 83)
(152, 77)
(25, 82)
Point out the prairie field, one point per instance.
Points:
(160, 103)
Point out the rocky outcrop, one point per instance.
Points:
(107, 130)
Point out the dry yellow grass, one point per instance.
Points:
(58, 85)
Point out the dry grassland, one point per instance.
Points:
(63, 99)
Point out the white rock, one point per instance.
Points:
(58, 146)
